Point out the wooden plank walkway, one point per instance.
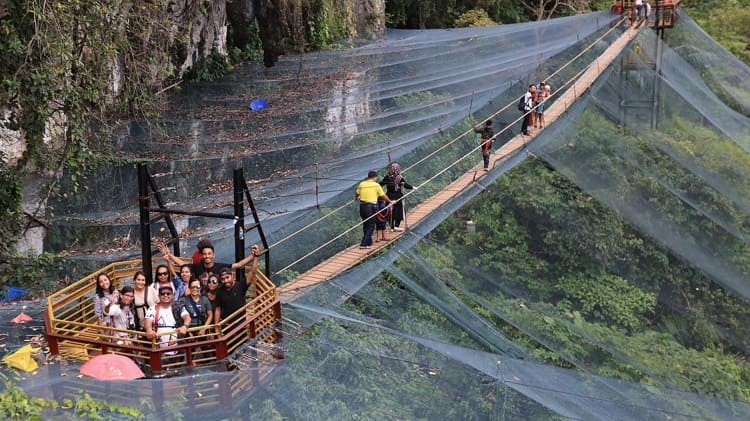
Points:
(351, 256)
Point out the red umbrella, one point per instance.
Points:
(111, 367)
(21, 318)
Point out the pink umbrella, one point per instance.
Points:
(21, 318)
(111, 367)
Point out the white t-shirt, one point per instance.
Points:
(165, 322)
(527, 101)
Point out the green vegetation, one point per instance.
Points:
(474, 18)
(15, 404)
(332, 23)
(728, 22)
(572, 274)
(10, 201)
(61, 63)
(41, 275)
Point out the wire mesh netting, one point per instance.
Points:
(331, 116)
(603, 277)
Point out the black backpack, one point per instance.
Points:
(176, 311)
(522, 104)
(196, 319)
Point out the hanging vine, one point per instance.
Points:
(70, 72)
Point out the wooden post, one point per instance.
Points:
(54, 347)
(221, 350)
(155, 361)
(189, 357)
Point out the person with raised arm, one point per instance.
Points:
(231, 296)
(122, 313)
(208, 264)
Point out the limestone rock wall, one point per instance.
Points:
(290, 24)
(201, 26)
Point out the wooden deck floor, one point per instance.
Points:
(349, 257)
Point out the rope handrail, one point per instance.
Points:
(447, 144)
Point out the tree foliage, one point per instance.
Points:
(70, 70)
(474, 18)
(585, 277)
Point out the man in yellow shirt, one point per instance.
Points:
(368, 193)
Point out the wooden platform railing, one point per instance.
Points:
(71, 325)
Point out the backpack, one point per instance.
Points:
(522, 103)
(176, 310)
(196, 319)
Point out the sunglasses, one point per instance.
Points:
(162, 273)
(213, 281)
(127, 295)
(195, 287)
(165, 293)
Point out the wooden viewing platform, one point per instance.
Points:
(72, 331)
(353, 255)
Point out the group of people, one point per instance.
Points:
(642, 9)
(174, 302)
(533, 106)
(380, 208)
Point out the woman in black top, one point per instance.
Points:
(395, 184)
(487, 134)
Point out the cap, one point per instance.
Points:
(167, 288)
(225, 270)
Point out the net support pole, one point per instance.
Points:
(657, 77)
(144, 205)
(239, 222)
(317, 188)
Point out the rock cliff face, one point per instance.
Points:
(296, 24)
(203, 27)
(194, 29)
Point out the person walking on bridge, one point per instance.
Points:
(487, 134)
(528, 99)
(368, 192)
(394, 184)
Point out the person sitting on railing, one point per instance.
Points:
(231, 297)
(122, 313)
(168, 320)
(105, 290)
